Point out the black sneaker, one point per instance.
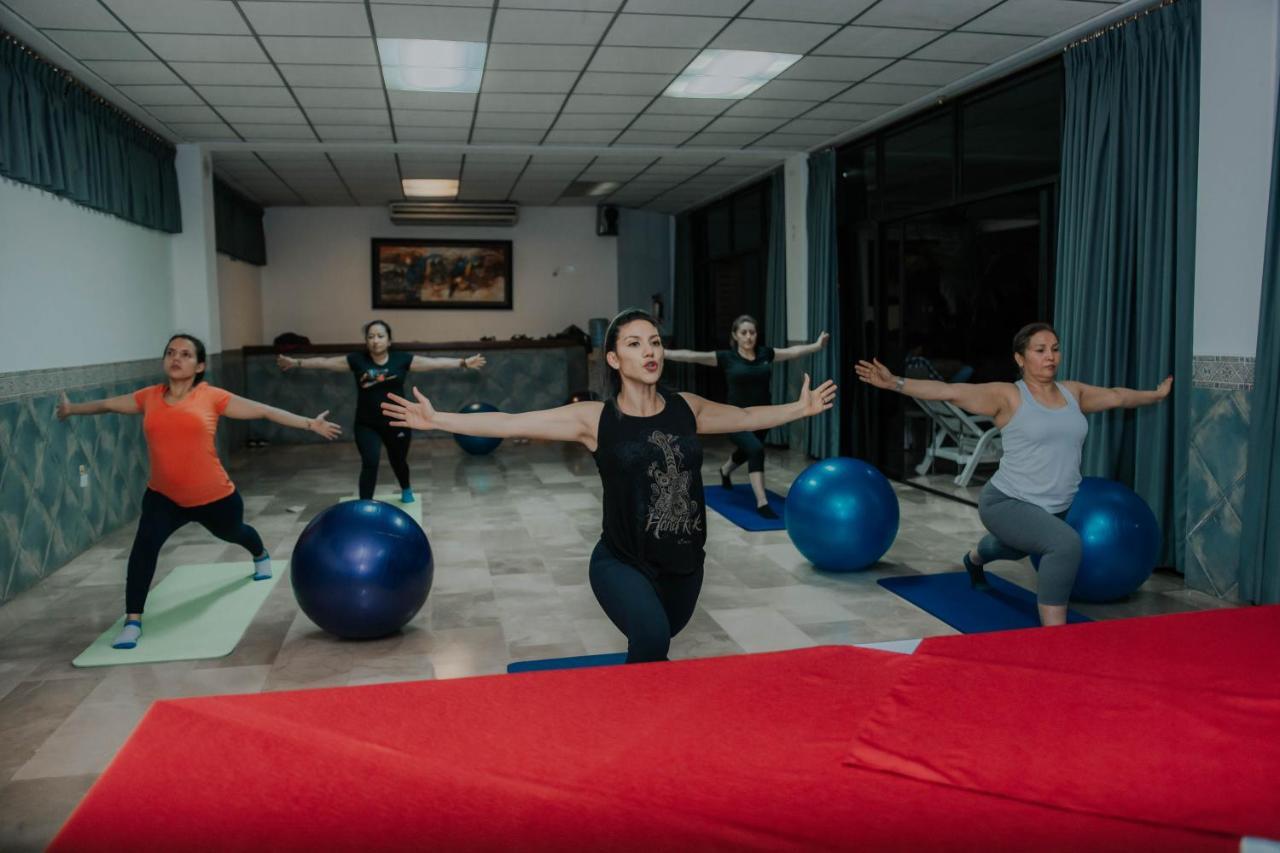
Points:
(766, 511)
(977, 577)
(725, 482)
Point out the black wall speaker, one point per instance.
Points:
(607, 221)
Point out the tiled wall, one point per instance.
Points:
(46, 517)
(1215, 476)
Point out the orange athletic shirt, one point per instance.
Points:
(185, 467)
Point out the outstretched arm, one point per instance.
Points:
(1094, 399)
(426, 362)
(719, 418)
(989, 398)
(337, 363)
(122, 405)
(691, 356)
(249, 410)
(801, 350)
(574, 422)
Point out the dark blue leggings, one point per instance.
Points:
(749, 448)
(649, 612)
(161, 517)
(370, 441)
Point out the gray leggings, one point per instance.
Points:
(1019, 528)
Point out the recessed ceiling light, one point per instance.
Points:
(729, 73)
(429, 188)
(428, 65)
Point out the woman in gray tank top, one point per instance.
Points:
(1042, 427)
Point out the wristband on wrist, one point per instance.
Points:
(898, 383)
(462, 364)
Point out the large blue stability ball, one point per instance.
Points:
(362, 569)
(1120, 540)
(477, 445)
(842, 514)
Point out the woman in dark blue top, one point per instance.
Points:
(646, 571)
(378, 371)
(748, 368)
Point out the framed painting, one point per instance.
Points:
(466, 274)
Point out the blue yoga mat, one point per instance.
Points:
(581, 662)
(739, 506)
(947, 596)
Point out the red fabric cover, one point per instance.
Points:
(724, 753)
(1233, 649)
(1174, 756)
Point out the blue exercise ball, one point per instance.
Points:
(477, 445)
(362, 569)
(842, 514)
(1120, 540)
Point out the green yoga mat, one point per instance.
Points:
(414, 509)
(195, 612)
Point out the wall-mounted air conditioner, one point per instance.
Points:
(454, 213)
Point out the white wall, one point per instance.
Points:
(796, 189)
(77, 287)
(194, 262)
(240, 303)
(317, 279)
(1238, 74)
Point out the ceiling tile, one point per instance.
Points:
(605, 103)
(65, 14)
(792, 141)
(227, 73)
(1037, 17)
(528, 81)
(688, 124)
(322, 51)
(269, 132)
(802, 89)
(690, 106)
(722, 8)
(202, 132)
(524, 121)
(346, 76)
(849, 112)
(125, 72)
(525, 26)
(602, 83)
(923, 72)
(825, 11)
(432, 134)
(168, 16)
(247, 96)
(201, 48)
(572, 5)
(845, 68)
(663, 30)
(160, 95)
(498, 135)
(974, 47)
(929, 14)
(519, 102)
(84, 44)
(580, 137)
(433, 100)
(367, 98)
(262, 115)
(653, 137)
(740, 124)
(776, 36)
(194, 115)
(347, 115)
(431, 118)
(829, 126)
(885, 42)
(355, 133)
(536, 57)
(445, 23)
(593, 121)
(651, 60)
(769, 108)
(726, 140)
(884, 93)
(307, 19)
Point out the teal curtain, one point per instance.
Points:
(58, 136)
(775, 294)
(1126, 247)
(238, 226)
(681, 376)
(824, 296)
(1260, 522)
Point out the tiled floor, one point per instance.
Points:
(511, 534)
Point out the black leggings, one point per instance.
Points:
(161, 517)
(649, 612)
(749, 448)
(370, 441)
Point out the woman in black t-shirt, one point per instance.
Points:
(379, 371)
(748, 369)
(646, 571)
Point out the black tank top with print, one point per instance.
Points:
(654, 515)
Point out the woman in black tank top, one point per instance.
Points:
(646, 570)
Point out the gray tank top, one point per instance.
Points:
(1041, 459)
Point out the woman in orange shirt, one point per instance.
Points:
(188, 482)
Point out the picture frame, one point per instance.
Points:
(441, 274)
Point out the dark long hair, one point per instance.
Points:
(200, 353)
(613, 379)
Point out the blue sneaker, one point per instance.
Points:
(406, 497)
